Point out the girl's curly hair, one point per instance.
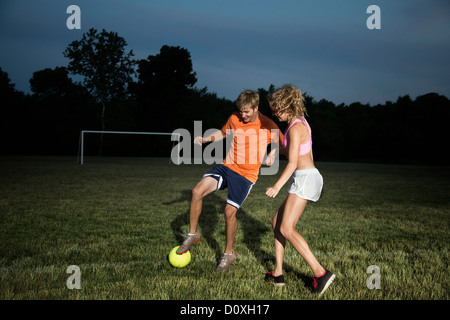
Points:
(288, 99)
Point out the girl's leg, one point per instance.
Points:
(280, 241)
(293, 209)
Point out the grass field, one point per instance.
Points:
(117, 219)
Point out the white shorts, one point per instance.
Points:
(307, 184)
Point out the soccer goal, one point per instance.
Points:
(174, 137)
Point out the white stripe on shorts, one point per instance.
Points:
(219, 183)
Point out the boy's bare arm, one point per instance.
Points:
(216, 136)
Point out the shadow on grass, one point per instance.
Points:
(253, 231)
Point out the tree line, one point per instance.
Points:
(158, 94)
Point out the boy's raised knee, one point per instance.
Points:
(197, 193)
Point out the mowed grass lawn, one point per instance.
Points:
(117, 219)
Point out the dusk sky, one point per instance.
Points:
(321, 46)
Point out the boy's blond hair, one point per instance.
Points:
(247, 99)
(289, 99)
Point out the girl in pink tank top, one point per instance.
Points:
(288, 105)
(304, 147)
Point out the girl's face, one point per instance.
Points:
(281, 115)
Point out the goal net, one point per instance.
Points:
(113, 143)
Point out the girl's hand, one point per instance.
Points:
(272, 192)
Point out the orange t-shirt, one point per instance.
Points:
(249, 145)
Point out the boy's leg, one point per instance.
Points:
(206, 186)
(231, 227)
(238, 190)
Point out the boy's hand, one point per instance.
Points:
(199, 140)
(270, 159)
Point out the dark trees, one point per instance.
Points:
(164, 98)
(104, 64)
(163, 90)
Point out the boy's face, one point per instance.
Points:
(248, 114)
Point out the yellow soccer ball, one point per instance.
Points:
(179, 260)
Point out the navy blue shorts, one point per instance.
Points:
(238, 187)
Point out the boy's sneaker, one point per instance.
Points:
(275, 280)
(322, 282)
(188, 242)
(225, 262)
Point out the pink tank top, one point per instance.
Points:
(304, 147)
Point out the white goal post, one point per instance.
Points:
(175, 137)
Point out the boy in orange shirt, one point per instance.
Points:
(252, 133)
